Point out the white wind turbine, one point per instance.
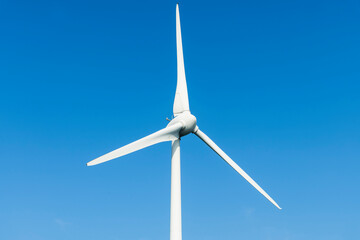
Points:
(182, 124)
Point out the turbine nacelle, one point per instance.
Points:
(188, 122)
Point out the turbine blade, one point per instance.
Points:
(181, 102)
(169, 133)
(227, 159)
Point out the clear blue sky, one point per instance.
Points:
(81, 78)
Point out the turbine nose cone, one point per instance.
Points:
(188, 122)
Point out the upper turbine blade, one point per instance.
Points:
(227, 159)
(167, 134)
(181, 102)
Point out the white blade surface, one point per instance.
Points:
(181, 102)
(167, 134)
(227, 159)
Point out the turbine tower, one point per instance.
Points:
(182, 124)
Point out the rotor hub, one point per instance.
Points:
(188, 122)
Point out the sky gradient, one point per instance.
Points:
(275, 84)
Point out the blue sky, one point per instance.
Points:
(274, 83)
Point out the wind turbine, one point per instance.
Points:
(182, 124)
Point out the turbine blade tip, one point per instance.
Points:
(90, 164)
